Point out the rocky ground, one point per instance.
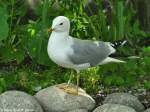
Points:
(142, 94)
(59, 98)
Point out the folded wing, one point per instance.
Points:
(86, 51)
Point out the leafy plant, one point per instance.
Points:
(3, 22)
(23, 45)
(2, 85)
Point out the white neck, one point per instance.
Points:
(60, 35)
(57, 38)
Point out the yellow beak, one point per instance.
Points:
(50, 29)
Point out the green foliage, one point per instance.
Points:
(36, 43)
(29, 37)
(2, 85)
(3, 23)
(146, 51)
(32, 79)
(114, 80)
(11, 54)
(118, 21)
(147, 84)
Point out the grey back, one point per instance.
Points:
(86, 51)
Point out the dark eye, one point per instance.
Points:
(61, 24)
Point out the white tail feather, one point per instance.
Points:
(109, 59)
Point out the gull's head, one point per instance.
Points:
(61, 24)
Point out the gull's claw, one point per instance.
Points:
(68, 88)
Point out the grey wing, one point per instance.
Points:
(86, 51)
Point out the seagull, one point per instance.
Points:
(74, 53)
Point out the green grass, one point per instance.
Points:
(32, 79)
(22, 36)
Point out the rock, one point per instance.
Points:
(17, 101)
(113, 108)
(55, 99)
(79, 110)
(148, 110)
(125, 99)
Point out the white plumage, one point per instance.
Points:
(74, 53)
(77, 54)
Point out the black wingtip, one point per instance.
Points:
(118, 43)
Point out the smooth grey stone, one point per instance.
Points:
(147, 110)
(17, 101)
(125, 99)
(113, 108)
(54, 99)
(78, 110)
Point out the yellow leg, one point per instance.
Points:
(69, 88)
(78, 78)
(70, 78)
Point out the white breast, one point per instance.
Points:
(57, 49)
